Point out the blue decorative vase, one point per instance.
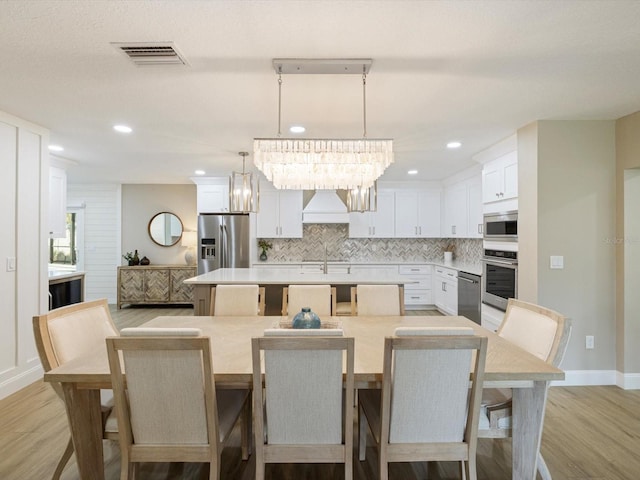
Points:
(306, 319)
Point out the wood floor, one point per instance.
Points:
(590, 433)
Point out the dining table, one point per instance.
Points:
(507, 366)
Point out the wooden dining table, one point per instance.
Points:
(507, 366)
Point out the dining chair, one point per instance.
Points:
(237, 300)
(69, 332)
(320, 298)
(541, 332)
(377, 300)
(169, 410)
(303, 415)
(425, 410)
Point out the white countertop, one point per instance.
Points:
(469, 267)
(62, 274)
(281, 276)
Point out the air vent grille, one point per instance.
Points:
(144, 54)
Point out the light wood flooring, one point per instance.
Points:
(590, 433)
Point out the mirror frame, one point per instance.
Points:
(155, 240)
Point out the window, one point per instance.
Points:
(63, 251)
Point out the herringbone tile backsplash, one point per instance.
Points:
(341, 247)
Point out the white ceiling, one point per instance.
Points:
(472, 71)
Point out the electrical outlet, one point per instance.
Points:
(589, 342)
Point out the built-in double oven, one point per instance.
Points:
(500, 259)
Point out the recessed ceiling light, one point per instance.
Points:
(297, 129)
(199, 172)
(56, 148)
(454, 145)
(122, 129)
(412, 172)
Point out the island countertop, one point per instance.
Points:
(281, 276)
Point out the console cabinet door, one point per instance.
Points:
(131, 286)
(179, 291)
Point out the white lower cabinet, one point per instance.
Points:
(418, 294)
(445, 290)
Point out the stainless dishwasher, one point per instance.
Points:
(469, 296)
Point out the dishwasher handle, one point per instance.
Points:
(468, 280)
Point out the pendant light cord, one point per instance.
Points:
(364, 104)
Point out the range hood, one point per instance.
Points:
(325, 206)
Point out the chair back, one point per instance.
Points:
(72, 331)
(170, 395)
(320, 298)
(303, 378)
(538, 330)
(378, 299)
(426, 383)
(237, 300)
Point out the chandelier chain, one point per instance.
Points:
(364, 104)
(279, 101)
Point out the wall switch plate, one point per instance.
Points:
(11, 264)
(589, 342)
(556, 262)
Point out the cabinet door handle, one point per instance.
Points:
(420, 230)
(480, 228)
(415, 230)
(498, 194)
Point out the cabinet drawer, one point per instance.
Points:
(423, 281)
(446, 272)
(414, 269)
(418, 297)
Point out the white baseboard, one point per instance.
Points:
(628, 381)
(17, 382)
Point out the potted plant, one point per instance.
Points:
(129, 258)
(264, 245)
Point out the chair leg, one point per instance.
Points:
(245, 428)
(543, 470)
(66, 455)
(362, 435)
(470, 469)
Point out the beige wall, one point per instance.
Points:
(140, 203)
(574, 196)
(627, 157)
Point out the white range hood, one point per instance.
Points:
(324, 206)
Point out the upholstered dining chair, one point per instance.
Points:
(237, 300)
(169, 410)
(303, 415)
(69, 332)
(425, 410)
(377, 300)
(543, 333)
(320, 298)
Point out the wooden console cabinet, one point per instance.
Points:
(155, 284)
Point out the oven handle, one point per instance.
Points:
(500, 262)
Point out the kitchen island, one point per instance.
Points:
(275, 279)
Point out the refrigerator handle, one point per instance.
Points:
(224, 252)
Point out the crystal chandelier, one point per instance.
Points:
(316, 164)
(244, 190)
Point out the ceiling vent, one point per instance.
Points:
(153, 53)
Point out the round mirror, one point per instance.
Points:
(165, 229)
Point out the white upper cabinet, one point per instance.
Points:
(417, 214)
(280, 214)
(463, 209)
(57, 202)
(455, 211)
(378, 224)
(500, 178)
(474, 208)
(212, 194)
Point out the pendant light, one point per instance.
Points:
(244, 190)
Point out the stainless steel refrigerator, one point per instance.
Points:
(223, 241)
